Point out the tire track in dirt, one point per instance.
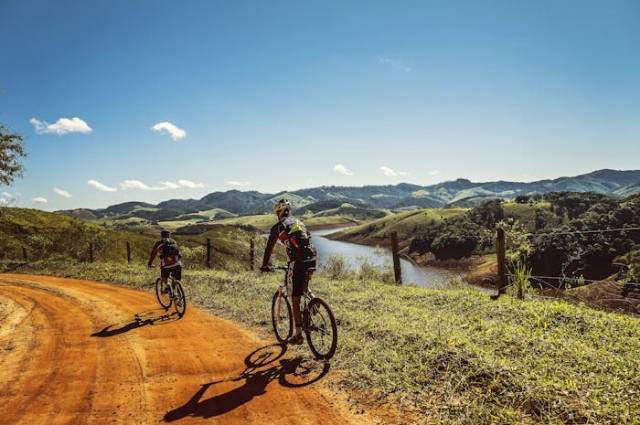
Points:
(74, 351)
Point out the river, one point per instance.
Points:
(355, 254)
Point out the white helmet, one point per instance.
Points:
(281, 206)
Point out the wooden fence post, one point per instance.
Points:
(501, 254)
(128, 252)
(91, 252)
(208, 253)
(24, 254)
(397, 271)
(252, 254)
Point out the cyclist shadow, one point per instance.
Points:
(261, 369)
(151, 317)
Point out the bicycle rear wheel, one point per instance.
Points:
(321, 329)
(163, 294)
(179, 299)
(281, 317)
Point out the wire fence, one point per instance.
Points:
(609, 290)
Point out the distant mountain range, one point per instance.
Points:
(460, 192)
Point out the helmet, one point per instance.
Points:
(165, 233)
(282, 206)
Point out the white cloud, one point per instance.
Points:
(138, 185)
(434, 172)
(39, 200)
(394, 63)
(170, 185)
(189, 184)
(238, 183)
(62, 126)
(102, 187)
(389, 172)
(62, 192)
(341, 169)
(172, 130)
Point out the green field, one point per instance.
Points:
(404, 223)
(49, 236)
(445, 356)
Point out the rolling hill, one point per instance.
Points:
(403, 196)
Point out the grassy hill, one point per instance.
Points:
(50, 235)
(406, 224)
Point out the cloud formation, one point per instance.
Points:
(237, 183)
(102, 187)
(138, 185)
(62, 192)
(39, 200)
(394, 63)
(62, 126)
(341, 169)
(390, 172)
(189, 184)
(434, 172)
(165, 127)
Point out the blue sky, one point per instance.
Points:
(283, 95)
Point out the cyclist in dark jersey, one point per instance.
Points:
(170, 258)
(302, 257)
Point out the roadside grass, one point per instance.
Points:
(448, 356)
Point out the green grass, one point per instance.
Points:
(50, 235)
(405, 223)
(449, 356)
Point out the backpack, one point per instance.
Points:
(170, 248)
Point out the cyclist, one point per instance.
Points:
(302, 257)
(170, 258)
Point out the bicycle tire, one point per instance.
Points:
(180, 302)
(311, 328)
(276, 317)
(159, 295)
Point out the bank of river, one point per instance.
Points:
(356, 254)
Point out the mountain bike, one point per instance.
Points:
(171, 293)
(318, 321)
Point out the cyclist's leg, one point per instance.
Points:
(164, 275)
(300, 284)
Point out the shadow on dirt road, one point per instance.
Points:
(260, 371)
(151, 317)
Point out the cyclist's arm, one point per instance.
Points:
(271, 243)
(154, 252)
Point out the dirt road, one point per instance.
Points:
(74, 352)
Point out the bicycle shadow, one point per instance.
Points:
(260, 371)
(151, 317)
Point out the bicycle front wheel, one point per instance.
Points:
(281, 317)
(163, 294)
(179, 299)
(321, 329)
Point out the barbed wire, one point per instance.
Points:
(575, 279)
(578, 232)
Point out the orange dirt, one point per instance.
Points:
(74, 352)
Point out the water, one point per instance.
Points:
(355, 254)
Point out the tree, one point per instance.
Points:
(11, 151)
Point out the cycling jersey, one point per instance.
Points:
(295, 237)
(169, 253)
